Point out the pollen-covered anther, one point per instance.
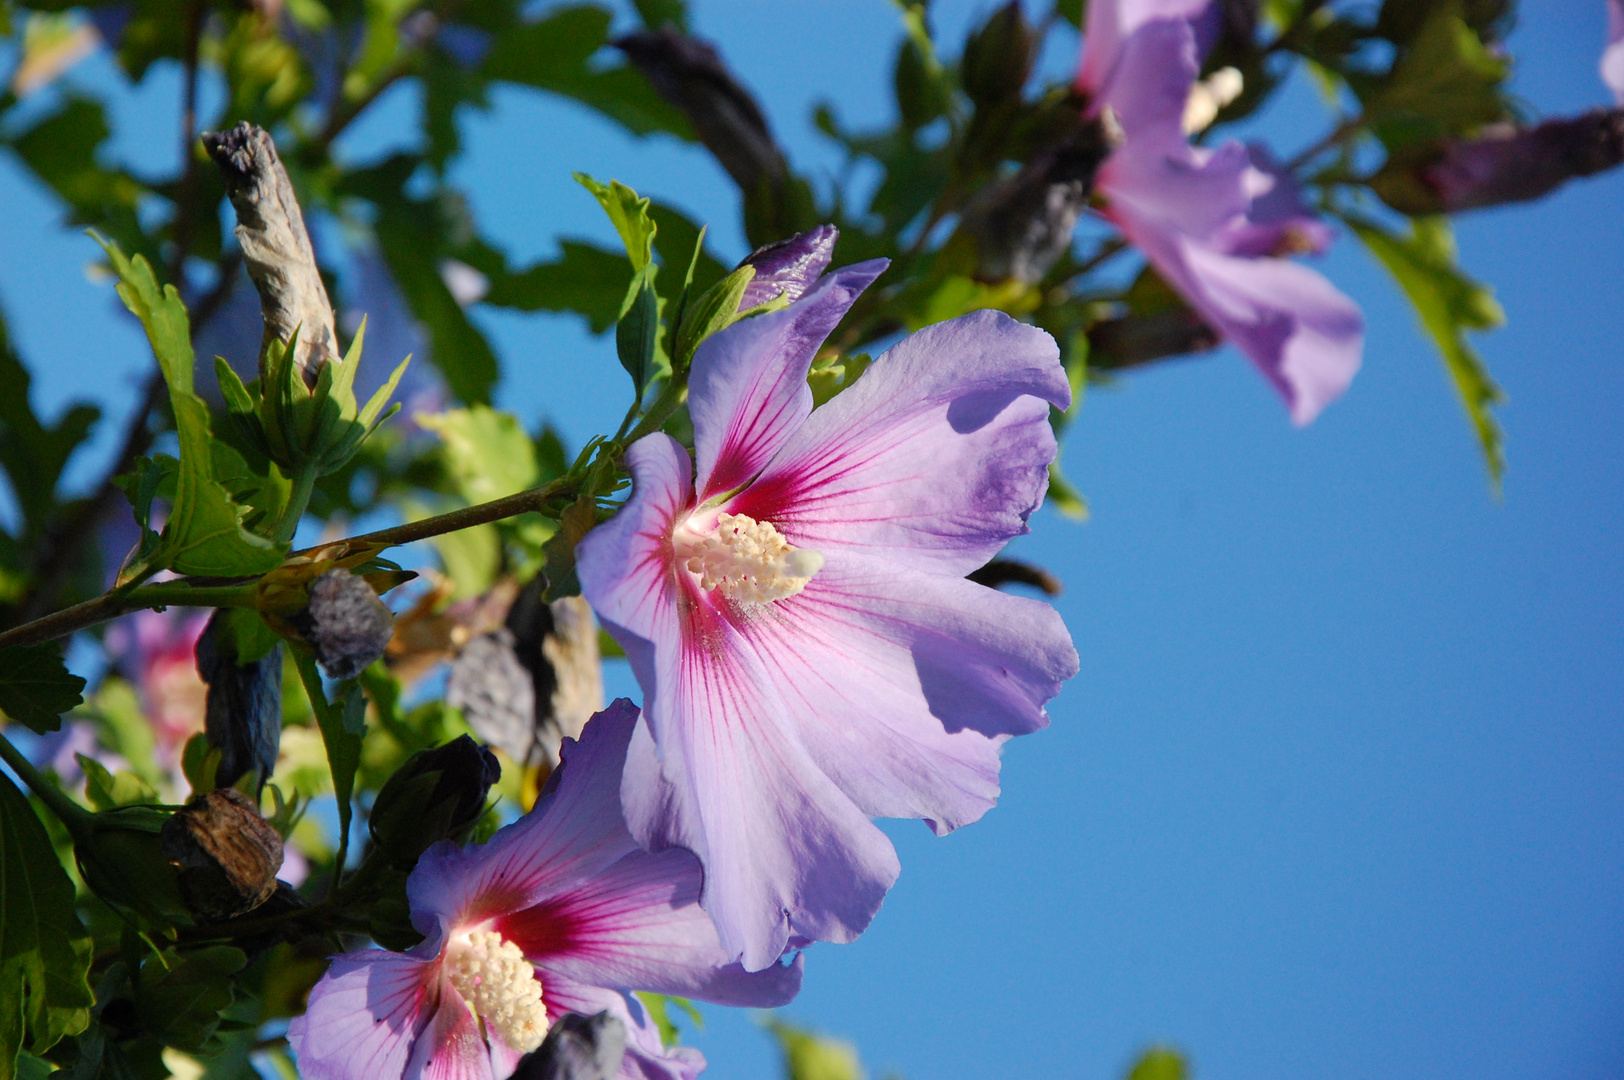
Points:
(501, 986)
(749, 560)
(1209, 96)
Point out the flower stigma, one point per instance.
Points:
(501, 987)
(748, 560)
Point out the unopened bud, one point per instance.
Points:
(224, 853)
(435, 795)
(243, 714)
(1504, 164)
(998, 57)
(577, 1048)
(1022, 225)
(689, 73)
(346, 623)
(785, 269)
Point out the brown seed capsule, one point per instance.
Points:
(224, 853)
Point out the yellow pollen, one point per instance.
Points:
(1209, 96)
(501, 986)
(749, 560)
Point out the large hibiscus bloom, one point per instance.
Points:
(797, 614)
(560, 912)
(1199, 214)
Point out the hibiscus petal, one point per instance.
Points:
(784, 850)
(903, 685)
(639, 926)
(1156, 174)
(747, 390)
(452, 1047)
(1110, 22)
(364, 1016)
(646, 1057)
(625, 564)
(935, 457)
(1304, 335)
(575, 831)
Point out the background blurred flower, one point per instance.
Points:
(1198, 214)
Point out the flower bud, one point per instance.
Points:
(346, 623)
(224, 853)
(435, 795)
(998, 57)
(122, 862)
(787, 268)
(1504, 164)
(577, 1048)
(243, 714)
(690, 74)
(1022, 225)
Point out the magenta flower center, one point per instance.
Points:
(748, 560)
(500, 986)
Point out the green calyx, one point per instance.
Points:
(302, 427)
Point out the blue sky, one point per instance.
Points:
(1337, 791)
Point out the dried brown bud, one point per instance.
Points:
(224, 853)
(1023, 225)
(1503, 164)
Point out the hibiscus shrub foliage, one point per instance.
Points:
(295, 748)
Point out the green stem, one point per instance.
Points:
(304, 482)
(181, 594)
(534, 500)
(669, 401)
(70, 813)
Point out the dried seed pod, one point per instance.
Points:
(346, 623)
(243, 716)
(224, 853)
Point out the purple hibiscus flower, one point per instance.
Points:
(561, 912)
(798, 617)
(1212, 221)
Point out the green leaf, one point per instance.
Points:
(486, 452)
(584, 279)
(716, 308)
(45, 952)
(637, 334)
(629, 213)
(180, 995)
(555, 53)
(456, 345)
(812, 1057)
(657, 13)
(342, 724)
(1446, 82)
(61, 149)
(107, 791)
(659, 1008)
(1159, 1063)
(204, 533)
(1449, 303)
(32, 453)
(36, 687)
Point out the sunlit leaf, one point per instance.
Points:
(1449, 303)
(204, 533)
